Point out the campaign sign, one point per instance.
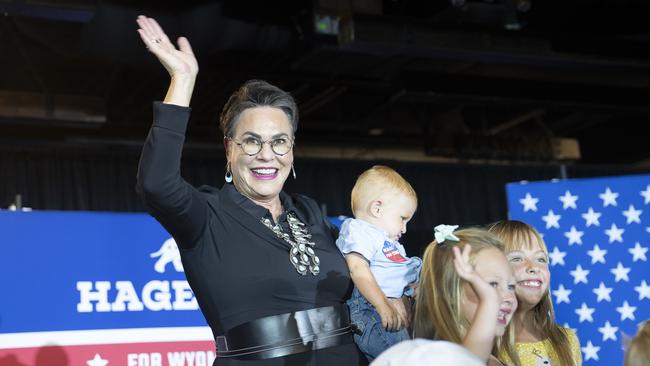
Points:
(96, 289)
(597, 232)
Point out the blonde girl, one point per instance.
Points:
(466, 294)
(538, 339)
(637, 351)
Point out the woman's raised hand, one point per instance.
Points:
(180, 63)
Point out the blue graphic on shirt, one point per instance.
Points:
(392, 253)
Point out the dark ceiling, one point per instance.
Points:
(493, 79)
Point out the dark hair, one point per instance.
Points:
(256, 93)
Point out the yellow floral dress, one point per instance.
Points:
(542, 354)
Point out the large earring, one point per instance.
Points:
(228, 176)
(293, 170)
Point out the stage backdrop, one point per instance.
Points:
(96, 289)
(597, 232)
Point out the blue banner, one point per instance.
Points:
(597, 233)
(82, 270)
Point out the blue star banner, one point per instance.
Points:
(597, 232)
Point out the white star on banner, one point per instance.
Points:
(590, 351)
(552, 220)
(591, 217)
(620, 273)
(574, 236)
(585, 313)
(556, 257)
(603, 292)
(608, 197)
(97, 361)
(562, 295)
(529, 202)
(632, 215)
(579, 275)
(608, 331)
(597, 254)
(638, 252)
(568, 200)
(644, 290)
(646, 195)
(615, 234)
(626, 311)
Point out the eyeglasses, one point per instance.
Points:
(252, 146)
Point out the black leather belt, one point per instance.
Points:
(285, 334)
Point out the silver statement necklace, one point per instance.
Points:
(301, 253)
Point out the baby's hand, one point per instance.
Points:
(466, 271)
(414, 286)
(390, 318)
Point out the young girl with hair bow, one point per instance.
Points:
(472, 301)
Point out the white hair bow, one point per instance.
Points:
(445, 232)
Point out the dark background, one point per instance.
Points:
(459, 97)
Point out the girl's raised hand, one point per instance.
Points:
(466, 271)
(179, 62)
